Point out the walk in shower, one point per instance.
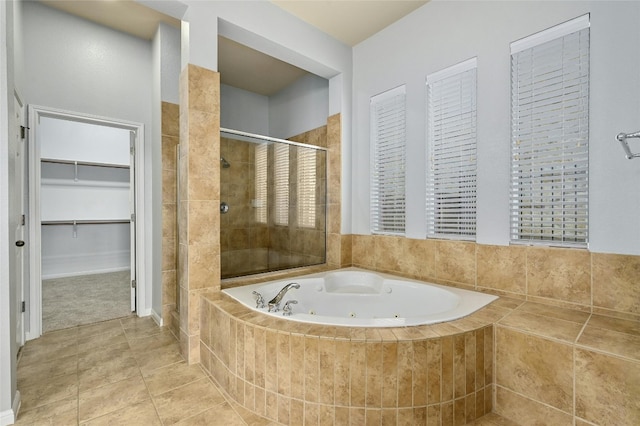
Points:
(272, 204)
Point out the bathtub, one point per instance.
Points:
(356, 297)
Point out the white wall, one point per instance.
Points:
(243, 110)
(75, 65)
(9, 396)
(300, 107)
(443, 33)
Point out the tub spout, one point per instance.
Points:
(274, 304)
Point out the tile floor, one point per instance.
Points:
(126, 371)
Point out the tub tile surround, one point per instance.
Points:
(571, 331)
(352, 375)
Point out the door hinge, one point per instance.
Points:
(23, 132)
(24, 306)
(23, 220)
(133, 217)
(133, 284)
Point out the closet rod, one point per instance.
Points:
(83, 222)
(83, 163)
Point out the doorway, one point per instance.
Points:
(83, 202)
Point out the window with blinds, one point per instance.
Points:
(260, 203)
(451, 145)
(306, 181)
(281, 184)
(550, 136)
(388, 162)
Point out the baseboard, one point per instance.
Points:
(80, 273)
(157, 318)
(8, 417)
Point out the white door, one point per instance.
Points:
(18, 214)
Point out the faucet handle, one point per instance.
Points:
(287, 309)
(259, 299)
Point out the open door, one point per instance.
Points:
(83, 205)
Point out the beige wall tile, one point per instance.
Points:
(527, 412)
(342, 373)
(535, 367)
(447, 372)
(607, 389)
(559, 274)
(373, 396)
(502, 268)
(622, 344)
(363, 251)
(358, 371)
(418, 258)
(170, 118)
(405, 374)
(388, 253)
(456, 261)
(311, 368)
(543, 325)
(434, 370)
(420, 373)
(615, 282)
(326, 353)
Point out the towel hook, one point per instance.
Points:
(622, 138)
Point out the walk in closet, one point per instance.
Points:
(86, 198)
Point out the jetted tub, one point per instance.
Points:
(356, 297)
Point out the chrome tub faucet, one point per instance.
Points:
(274, 304)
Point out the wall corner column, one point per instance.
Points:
(199, 200)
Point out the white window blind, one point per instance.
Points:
(281, 181)
(388, 162)
(261, 183)
(306, 182)
(550, 136)
(451, 139)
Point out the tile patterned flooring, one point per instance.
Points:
(126, 371)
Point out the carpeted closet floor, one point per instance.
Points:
(72, 301)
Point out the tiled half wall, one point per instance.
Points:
(296, 373)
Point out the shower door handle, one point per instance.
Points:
(224, 207)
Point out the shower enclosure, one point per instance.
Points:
(272, 204)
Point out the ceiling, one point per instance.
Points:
(349, 21)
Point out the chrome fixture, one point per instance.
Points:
(225, 163)
(259, 299)
(274, 304)
(224, 207)
(287, 309)
(622, 138)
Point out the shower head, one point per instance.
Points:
(225, 163)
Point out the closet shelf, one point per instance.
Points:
(84, 222)
(84, 163)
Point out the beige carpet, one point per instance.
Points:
(68, 302)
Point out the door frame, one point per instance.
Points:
(22, 269)
(35, 252)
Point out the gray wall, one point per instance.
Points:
(441, 34)
(75, 65)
